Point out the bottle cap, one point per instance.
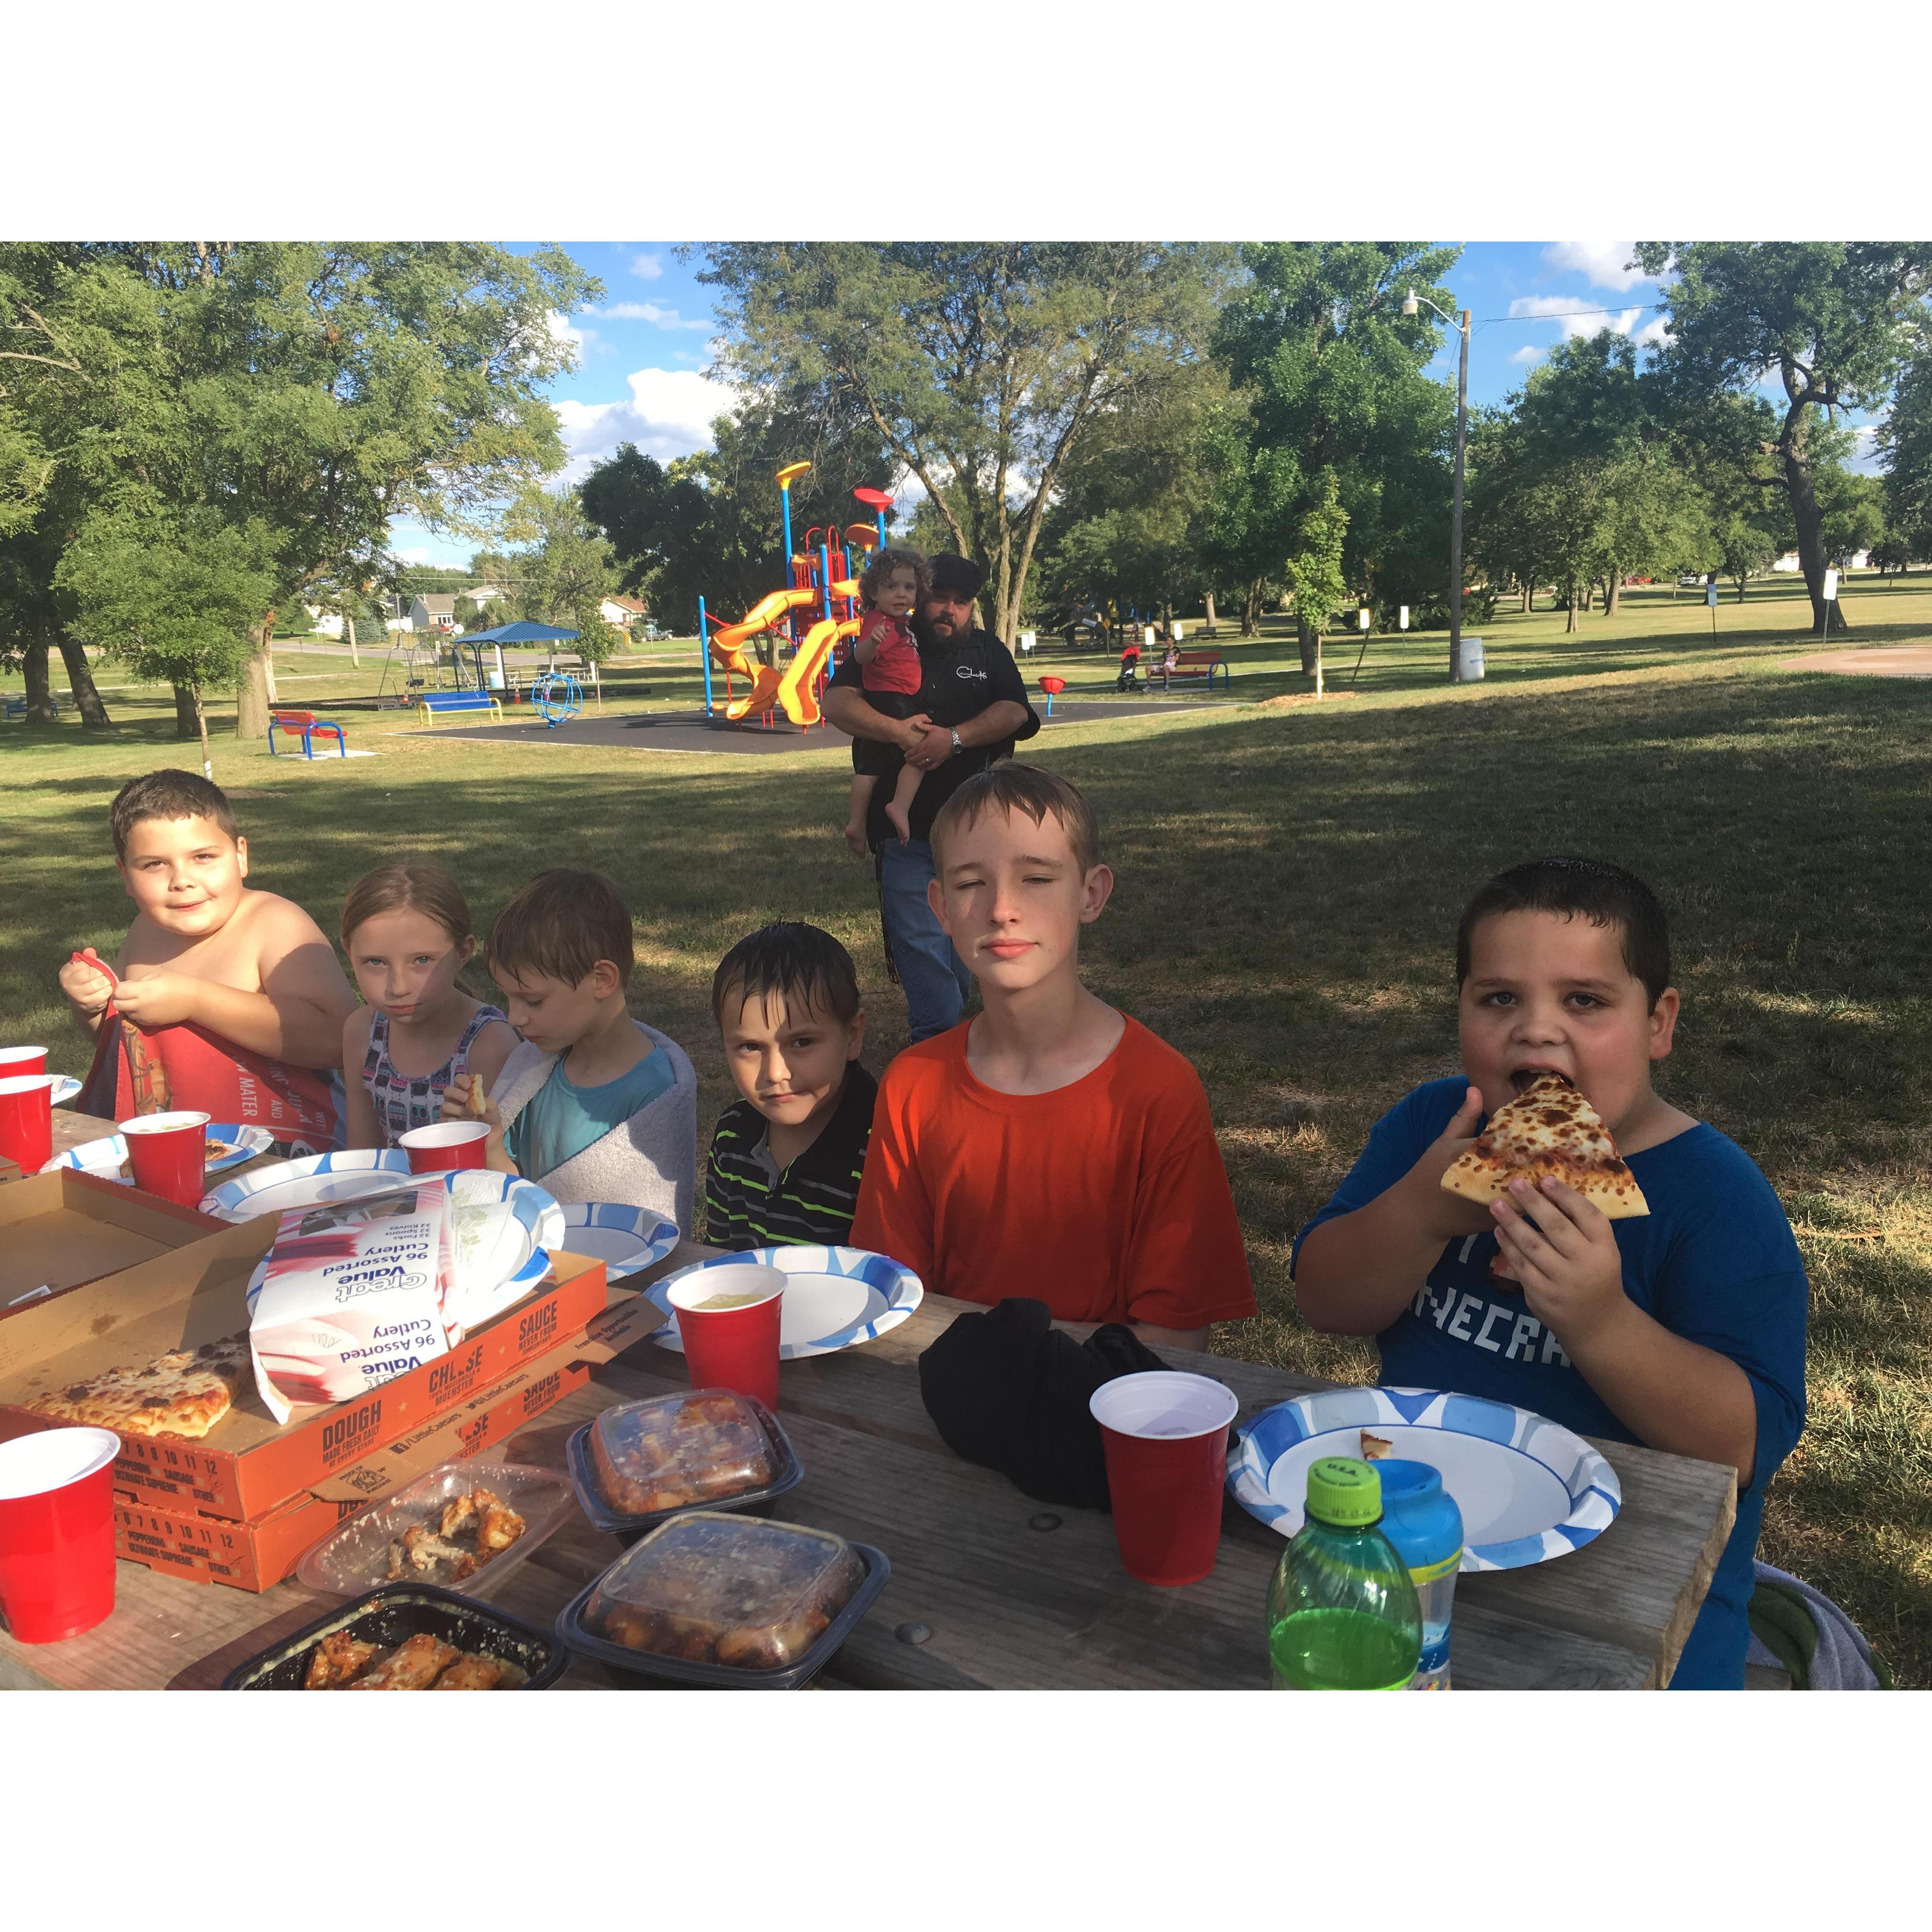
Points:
(1344, 1492)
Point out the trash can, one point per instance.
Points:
(1469, 660)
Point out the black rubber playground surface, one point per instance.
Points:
(692, 731)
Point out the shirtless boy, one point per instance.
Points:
(234, 1000)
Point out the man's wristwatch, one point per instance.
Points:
(957, 746)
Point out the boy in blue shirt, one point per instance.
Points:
(1683, 1329)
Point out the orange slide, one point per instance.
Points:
(795, 688)
(727, 640)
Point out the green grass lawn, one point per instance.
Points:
(1289, 881)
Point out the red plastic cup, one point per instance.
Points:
(16, 1062)
(734, 1348)
(445, 1145)
(57, 1532)
(1165, 1435)
(168, 1152)
(27, 1120)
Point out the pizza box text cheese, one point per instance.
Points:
(248, 1463)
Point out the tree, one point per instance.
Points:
(172, 600)
(1331, 378)
(1905, 441)
(980, 366)
(1831, 321)
(566, 572)
(1314, 572)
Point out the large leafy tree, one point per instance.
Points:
(980, 366)
(566, 569)
(1905, 440)
(1331, 378)
(1830, 322)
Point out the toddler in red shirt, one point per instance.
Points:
(893, 584)
(1050, 1148)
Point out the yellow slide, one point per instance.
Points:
(798, 689)
(727, 640)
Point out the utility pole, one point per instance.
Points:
(1412, 304)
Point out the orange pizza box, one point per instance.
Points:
(61, 1229)
(247, 1464)
(172, 1536)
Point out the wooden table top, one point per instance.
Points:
(1013, 1593)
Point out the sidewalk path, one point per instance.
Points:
(1874, 660)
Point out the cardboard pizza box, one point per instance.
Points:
(167, 1535)
(9, 1170)
(247, 1464)
(59, 1230)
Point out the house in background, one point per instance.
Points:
(1859, 559)
(622, 612)
(324, 622)
(435, 612)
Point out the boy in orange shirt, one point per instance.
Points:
(1050, 1148)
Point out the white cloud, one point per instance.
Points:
(414, 555)
(562, 329)
(647, 267)
(1652, 334)
(650, 312)
(1602, 262)
(1577, 317)
(669, 413)
(1530, 352)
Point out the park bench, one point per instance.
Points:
(304, 725)
(1199, 664)
(16, 707)
(434, 704)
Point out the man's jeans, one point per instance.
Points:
(934, 977)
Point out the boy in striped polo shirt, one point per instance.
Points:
(786, 1158)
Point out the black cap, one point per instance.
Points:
(952, 576)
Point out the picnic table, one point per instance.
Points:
(990, 1589)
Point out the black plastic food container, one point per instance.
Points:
(391, 1616)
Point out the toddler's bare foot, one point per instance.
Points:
(855, 836)
(902, 821)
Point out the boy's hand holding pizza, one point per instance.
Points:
(464, 1098)
(1440, 1215)
(1563, 1251)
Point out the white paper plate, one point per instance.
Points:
(1528, 1488)
(506, 1229)
(104, 1157)
(624, 1239)
(302, 1184)
(834, 1297)
(65, 1088)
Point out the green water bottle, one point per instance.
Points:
(1342, 1612)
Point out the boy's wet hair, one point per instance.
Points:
(872, 579)
(802, 964)
(1591, 889)
(1008, 788)
(410, 885)
(559, 925)
(171, 795)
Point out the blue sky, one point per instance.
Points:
(642, 349)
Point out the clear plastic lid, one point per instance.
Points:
(726, 1590)
(678, 1450)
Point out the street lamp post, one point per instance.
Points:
(1412, 305)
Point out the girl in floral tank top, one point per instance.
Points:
(407, 931)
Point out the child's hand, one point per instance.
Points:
(1564, 1251)
(158, 1000)
(464, 1100)
(1445, 1216)
(88, 989)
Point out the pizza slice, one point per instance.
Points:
(183, 1392)
(1374, 1448)
(1549, 1129)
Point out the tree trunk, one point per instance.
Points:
(349, 631)
(1310, 641)
(1251, 610)
(1810, 521)
(1612, 590)
(1740, 590)
(1528, 598)
(40, 692)
(201, 727)
(255, 691)
(1572, 624)
(187, 712)
(1210, 614)
(93, 712)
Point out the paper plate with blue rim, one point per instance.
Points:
(65, 1088)
(1529, 1489)
(104, 1157)
(834, 1297)
(306, 1183)
(624, 1239)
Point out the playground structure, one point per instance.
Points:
(458, 663)
(822, 577)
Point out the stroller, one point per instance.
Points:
(1130, 663)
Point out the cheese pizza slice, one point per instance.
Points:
(184, 1393)
(1549, 1129)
